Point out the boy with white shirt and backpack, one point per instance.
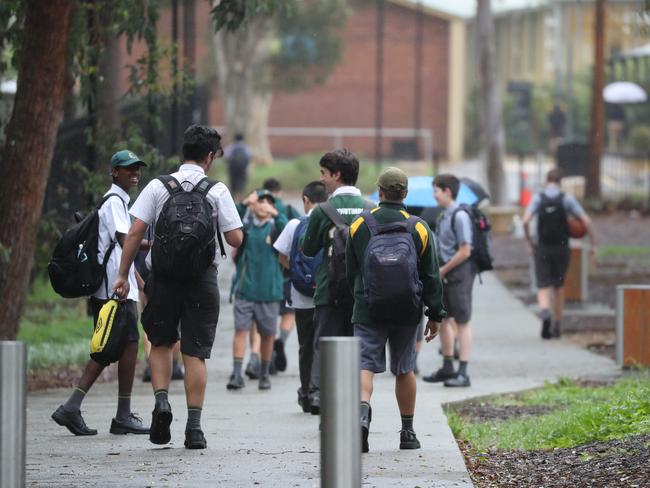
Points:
(302, 272)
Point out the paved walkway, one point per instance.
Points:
(262, 439)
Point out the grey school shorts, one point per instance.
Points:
(401, 342)
(265, 315)
(457, 292)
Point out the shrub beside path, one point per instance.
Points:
(262, 439)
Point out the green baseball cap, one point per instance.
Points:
(265, 194)
(125, 158)
(393, 179)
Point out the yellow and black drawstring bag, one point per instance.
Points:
(109, 338)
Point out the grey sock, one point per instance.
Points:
(236, 366)
(365, 410)
(161, 396)
(193, 418)
(448, 363)
(254, 360)
(266, 366)
(462, 368)
(284, 335)
(545, 314)
(74, 402)
(123, 406)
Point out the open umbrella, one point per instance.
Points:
(624, 92)
(421, 192)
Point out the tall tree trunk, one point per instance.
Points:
(597, 105)
(31, 134)
(492, 133)
(241, 59)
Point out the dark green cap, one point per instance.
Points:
(393, 179)
(265, 194)
(125, 158)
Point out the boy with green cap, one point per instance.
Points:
(257, 286)
(114, 224)
(391, 314)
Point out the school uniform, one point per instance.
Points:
(400, 336)
(114, 218)
(196, 304)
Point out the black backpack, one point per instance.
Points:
(391, 282)
(238, 159)
(74, 269)
(184, 241)
(481, 237)
(337, 282)
(552, 226)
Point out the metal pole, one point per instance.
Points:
(13, 404)
(379, 87)
(340, 441)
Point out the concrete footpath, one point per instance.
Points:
(263, 439)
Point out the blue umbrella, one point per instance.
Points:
(421, 193)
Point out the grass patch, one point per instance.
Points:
(623, 251)
(583, 415)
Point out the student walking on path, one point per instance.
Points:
(393, 270)
(114, 224)
(182, 286)
(454, 239)
(302, 273)
(551, 253)
(257, 286)
(328, 224)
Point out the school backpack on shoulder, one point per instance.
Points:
(238, 159)
(74, 269)
(184, 241)
(302, 269)
(391, 282)
(337, 282)
(109, 336)
(481, 236)
(552, 225)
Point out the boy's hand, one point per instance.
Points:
(251, 198)
(121, 287)
(431, 330)
(268, 208)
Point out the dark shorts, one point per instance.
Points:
(457, 292)
(551, 264)
(130, 317)
(331, 321)
(401, 342)
(193, 307)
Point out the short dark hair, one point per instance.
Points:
(554, 176)
(273, 185)
(315, 192)
(343, 161)
(393, 195)
(199, 141)
(446, 181)
(239, 136)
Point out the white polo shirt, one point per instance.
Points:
(150, 202)
(283, 246)
(113, 218)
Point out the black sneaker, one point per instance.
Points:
(146, 375)
(177, 372)
(194, 439)
(546, 329)
(365, 430)
(439, 376)
(460, 380)
(252, 371)
(280, 357)
(314, 405)
(303, 401)
(132, 424)
(555, 331)
(408, 440)
(73, 421)
(265, 383)
(235, 382)
(161, 419)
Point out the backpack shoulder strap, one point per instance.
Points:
(106, 197)
(330, 211)
(171, 184)
(453, 218)
(371, 222)
(204, 186)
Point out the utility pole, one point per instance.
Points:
(379, 88)
(174, 107)
(597, 105)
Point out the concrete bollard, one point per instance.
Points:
(13, 405)
(340, 441)
(633, 325)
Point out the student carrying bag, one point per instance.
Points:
(109, 337)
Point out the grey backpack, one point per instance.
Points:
(391, 283)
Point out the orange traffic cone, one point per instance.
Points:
(525, 195)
